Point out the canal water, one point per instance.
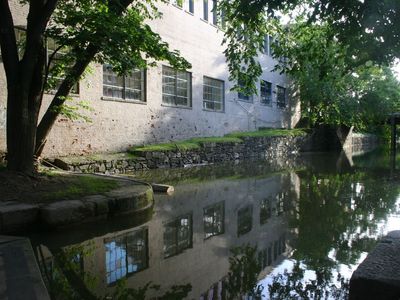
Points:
(255, 230)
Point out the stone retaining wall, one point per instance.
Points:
(209, 153)
(270, 148)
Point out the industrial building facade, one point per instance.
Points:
(161, 104)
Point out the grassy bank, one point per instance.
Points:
(235, 137)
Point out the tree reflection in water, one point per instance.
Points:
(335, 221)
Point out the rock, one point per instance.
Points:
(16, 216)
(378, 276)
(131, 198)
(65, 212)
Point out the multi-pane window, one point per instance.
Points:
(176, 87)
(213, 94)
(205, 10)
(191, 6)
(128, 87)
(55, 58)
(126, 254)
(178, 235)
(265, 210)
(215, 12)
(265, 92)
(214, 220)
(245, 220)
(242, 96)
(280, 97)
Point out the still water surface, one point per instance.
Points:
(278, 230)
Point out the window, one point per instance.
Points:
(214, 220)
(178, 235)
(56, 75)
(245, 220)
(176, 87)
(205, 10)
(265, 92)
(281, 97)
(215, 13)
(267, 49)
(265, 210)
(128, 87)
(126, 254)
(242, 96)
(191, 6)
(213, 94)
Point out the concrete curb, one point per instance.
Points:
(16, 216)
(378, 276)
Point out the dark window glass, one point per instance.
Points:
(281, 97)
(245, 220)
(214, 220)
(205, 10)
(191, 6)
(265, 211)
(215, 13)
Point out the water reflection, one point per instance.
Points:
(289, 235)
(126, 254)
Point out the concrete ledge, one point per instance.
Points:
(15, 216)
(378, 276)
(20, 278)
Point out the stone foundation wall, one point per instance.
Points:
(252, 148)
(209, 153)
(361, 142)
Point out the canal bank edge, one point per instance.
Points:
(16, 216)
(270, 148)
(378, 276)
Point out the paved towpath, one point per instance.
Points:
(20, 278)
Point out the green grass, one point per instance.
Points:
(195, 143)
(268, 133)
(83, 185)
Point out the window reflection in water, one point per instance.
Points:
(126, 254)
(265, 210)
(269, 254)
(178, 235)
(213, 218)
(245, 220)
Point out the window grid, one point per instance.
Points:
(176, 87)
(266, 92)
(51, 47)
(125, 254)
(213, 218)
(178, 235)
(242, 96)
(213, 94)
(128, 87)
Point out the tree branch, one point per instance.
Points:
(8, 43)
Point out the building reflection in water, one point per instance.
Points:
(178, 235)
(214, 219)
(245, 220)
(168, 249)
(126, 254)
